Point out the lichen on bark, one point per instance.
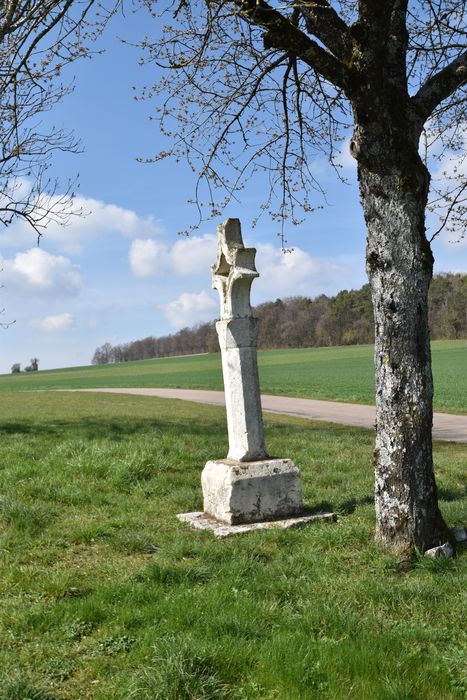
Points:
(399, 267)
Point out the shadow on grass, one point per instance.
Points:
(124, 426)
(348, 507)
(117, 429)
(451, 495)
(320, 507)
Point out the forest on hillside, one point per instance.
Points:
(298, 322)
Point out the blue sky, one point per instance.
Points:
(122, 272)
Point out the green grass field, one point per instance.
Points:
(340, 374)
(104, 594)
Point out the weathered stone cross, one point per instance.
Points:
(248, 489)
(248, 486)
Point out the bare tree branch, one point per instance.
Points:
(397, 42)
(37, 39)
(214, 50)
(441, 86)
(324, 22)
(282, 35)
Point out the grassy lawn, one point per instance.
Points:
(104, 594)
(337, 374)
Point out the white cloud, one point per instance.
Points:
(281, 274)
(297, 273)
(190, 309)
(50, 324)
(41, 273)
(194, 255)
(98, 219)
(187, 257)
(148, 258)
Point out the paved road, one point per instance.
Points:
(446, 426)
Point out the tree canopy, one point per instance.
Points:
(251, 85)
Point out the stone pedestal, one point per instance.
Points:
(237, 492)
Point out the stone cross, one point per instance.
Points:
(232, 276)
(248, 489)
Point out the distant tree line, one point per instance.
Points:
(297, 322)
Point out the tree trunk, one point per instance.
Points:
(399, 267)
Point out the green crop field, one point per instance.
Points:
(339, 374)
(104, 594)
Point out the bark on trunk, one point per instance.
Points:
(399, 267)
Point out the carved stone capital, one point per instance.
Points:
(233, 271)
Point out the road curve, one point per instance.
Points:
(446, 426)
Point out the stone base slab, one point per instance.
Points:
(237, 493)
(201, 521)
